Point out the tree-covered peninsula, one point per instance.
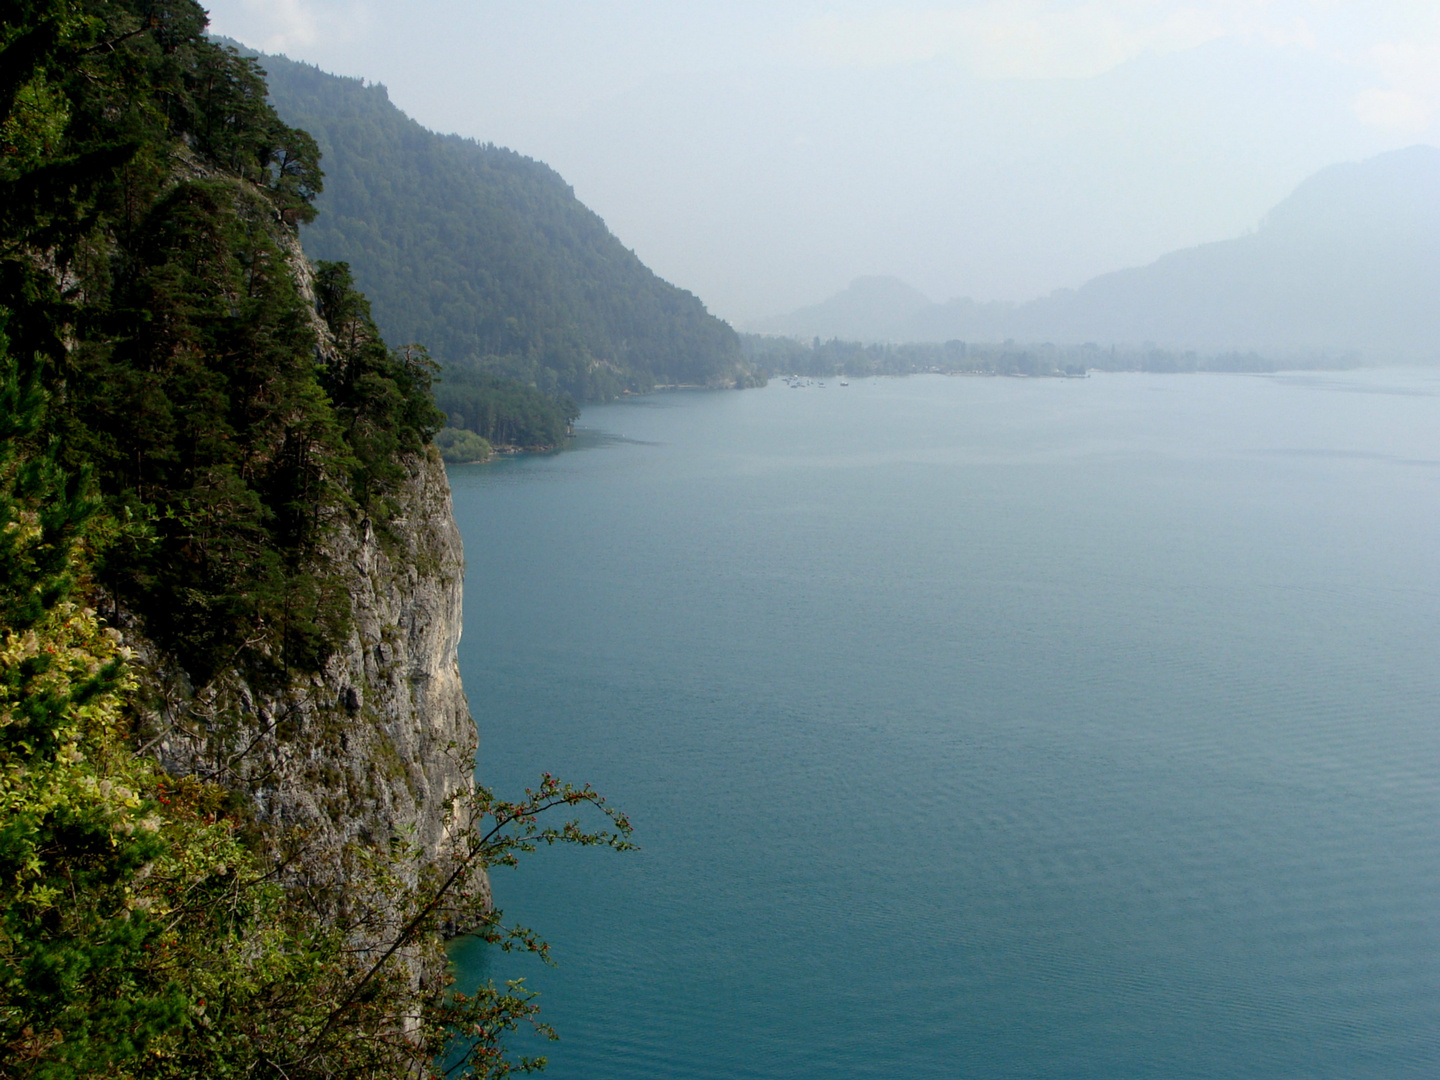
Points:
(237, 807)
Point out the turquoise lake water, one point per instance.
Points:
(991, 728)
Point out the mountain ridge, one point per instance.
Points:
(487, 257)
(1349, 261)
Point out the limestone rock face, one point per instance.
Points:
(371, 748)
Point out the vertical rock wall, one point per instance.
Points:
(371, 748)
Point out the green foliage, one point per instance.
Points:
(382, 398)
(74, 834)
(141, 938)
(42, 510)
(35, 125)
(505, 412)
(75, 831)
(148, 194)
(460, 447)
(489, 257)
(205, 421)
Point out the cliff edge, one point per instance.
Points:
(375, 745)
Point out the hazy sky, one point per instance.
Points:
(763, 154)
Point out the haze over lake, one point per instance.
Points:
(978, 727)
(764, 155)
(959, 477)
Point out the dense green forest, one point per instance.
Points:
(152, 301)
(181, 432)
(503, 411)
(816, 358)
(487, 258)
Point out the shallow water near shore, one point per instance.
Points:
(977, 727)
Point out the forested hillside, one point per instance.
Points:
(486, 256)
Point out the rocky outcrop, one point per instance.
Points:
(372, 748)
(370, 752)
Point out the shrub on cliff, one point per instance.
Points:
(460, 447)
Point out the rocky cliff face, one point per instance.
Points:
(371, 748)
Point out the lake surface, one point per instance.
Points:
(978, 727)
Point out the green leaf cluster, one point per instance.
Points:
(460, 447)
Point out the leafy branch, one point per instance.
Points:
(513, 829)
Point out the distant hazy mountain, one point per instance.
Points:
(870, 308)
(486, 256)
(1350, 261)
